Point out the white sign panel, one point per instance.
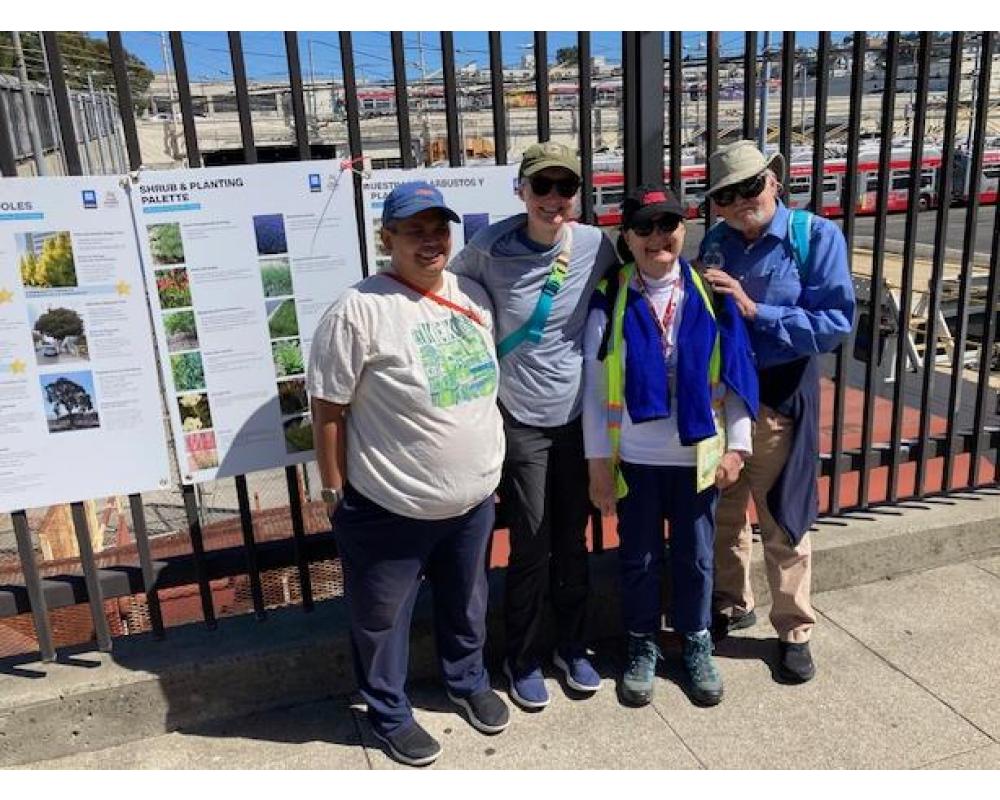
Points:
(80, 409)
(241, 264)
(479, 195)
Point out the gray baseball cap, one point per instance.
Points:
(738, 161)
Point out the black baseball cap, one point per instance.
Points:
(648, 202)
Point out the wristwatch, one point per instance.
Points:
(332, 496)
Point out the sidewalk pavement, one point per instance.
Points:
(907, 678)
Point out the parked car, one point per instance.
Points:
(50, 349)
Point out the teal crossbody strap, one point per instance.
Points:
(531, 331)
(799, 227)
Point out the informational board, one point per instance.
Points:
(479, 195)
(80, 412)
(241, 263)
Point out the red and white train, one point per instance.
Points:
(609, 187)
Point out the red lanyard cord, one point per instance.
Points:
(441, 301)
(668, 312)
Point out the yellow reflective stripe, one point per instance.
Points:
(614, 370)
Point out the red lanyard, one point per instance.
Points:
(441, 301)
(668, 313)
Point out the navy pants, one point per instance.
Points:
(385, 556)
(656, 494)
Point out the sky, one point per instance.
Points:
(207, 52)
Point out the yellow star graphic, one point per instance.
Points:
(123, 288)
(17, 366)
(6, 296)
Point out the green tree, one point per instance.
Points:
(82, 56)
(568, 55)
(69, 395)
(54, 267)
(59, 323)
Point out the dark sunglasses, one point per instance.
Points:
(566, 187)
(748, 189)
(663, 225)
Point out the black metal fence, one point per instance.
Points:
(951, 445)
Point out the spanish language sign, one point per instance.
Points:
(241, 262)
(479, 195)
(78, 379)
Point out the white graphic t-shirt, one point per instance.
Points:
(424, 435)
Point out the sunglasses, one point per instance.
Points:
(663, 225)
(566, 187)
(748, 189)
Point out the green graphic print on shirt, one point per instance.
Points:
(456, 361)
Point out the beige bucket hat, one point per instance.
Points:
(738, 161)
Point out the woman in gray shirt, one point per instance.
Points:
(540, 269)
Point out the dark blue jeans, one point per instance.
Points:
(385, 556)
(656, 494)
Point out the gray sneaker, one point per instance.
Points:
(704, 682)
(637, 682)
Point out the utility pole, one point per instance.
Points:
(29, 107)
(765, 80)
(802, 105)
(170, 94)
(425, 128)
(51, 103)
(972, 93)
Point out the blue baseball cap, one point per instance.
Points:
(411, 198)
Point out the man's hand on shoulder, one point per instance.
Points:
(723, 283)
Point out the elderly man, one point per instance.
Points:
(787, 271)
(409, 443)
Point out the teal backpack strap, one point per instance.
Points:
(531, 331)
(799, 228)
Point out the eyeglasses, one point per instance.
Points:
(566, 187)
(663, 225)
(748, 189)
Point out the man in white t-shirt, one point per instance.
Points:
(409, 442)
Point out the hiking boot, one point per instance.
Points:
(795, 664)
(704, 683)
(723, 625)
(527, 686)
(411, 745)
(486, 712)
(580, 673)
(637, 681)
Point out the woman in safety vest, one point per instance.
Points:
(670, 392)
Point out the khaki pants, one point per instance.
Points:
(789, 569)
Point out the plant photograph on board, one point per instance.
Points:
(202, 452)
(173, 288)
(298, 434)
(287, 358)
(45, 260)
(276, 275)
(282, 321)
(58, 333)
(182, 334)
(188, 371)
(292, 396)
(270, 232)
(165, 243)
(70, 401)
(196, 414)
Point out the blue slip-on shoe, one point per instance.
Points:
(580, 673)
(527, 686)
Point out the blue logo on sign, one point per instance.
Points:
(315, 184)
(89, 198)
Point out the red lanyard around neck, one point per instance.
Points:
(668, 313)
(441, 301)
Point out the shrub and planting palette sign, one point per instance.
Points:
(241, 263)
(78, 383)
(479, 195)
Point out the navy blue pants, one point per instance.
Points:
(385, 556)
(656, 494)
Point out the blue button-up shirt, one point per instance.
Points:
(795, 317)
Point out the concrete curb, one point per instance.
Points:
(146, 688)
